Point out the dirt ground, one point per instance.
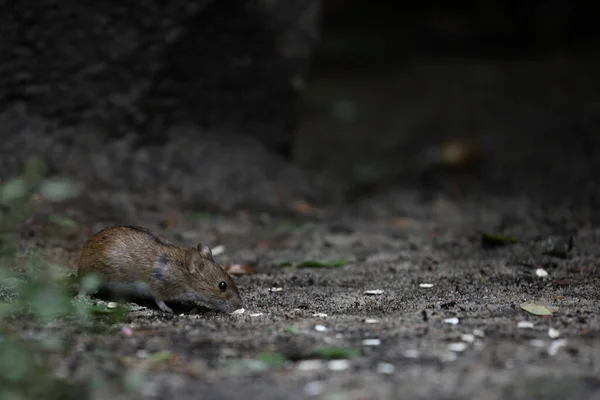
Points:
(448, 323)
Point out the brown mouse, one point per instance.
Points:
(133, 261)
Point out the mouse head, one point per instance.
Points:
(208, 281)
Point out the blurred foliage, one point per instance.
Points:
(34, 292)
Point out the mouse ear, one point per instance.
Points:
(204, 250)
(194, 260)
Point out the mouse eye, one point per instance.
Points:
(223, 286)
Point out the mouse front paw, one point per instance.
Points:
(161, 304)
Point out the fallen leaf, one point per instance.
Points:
(305, 208)
(496, 239)
(538, 309)
(401, 223)
(170, 223)
(332, 353)
(458, 153)
(239, 269)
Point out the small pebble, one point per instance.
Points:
(371, 342)
(127, 331)
(451, 321)
(320, 315)
(525, 324)
(142, 354)
(371, 321)
(413, 353)
(467, 337)
(320, 328)
(553, 333)
(314, 388)
(239, 311)
(458, 347)
(275, 289)
(218, 250)
(541, 272)
(374, 292)
(310, 365)
(425, 285)
(385, 368)
(338, 365)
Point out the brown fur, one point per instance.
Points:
(128, 254)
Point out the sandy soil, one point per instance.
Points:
(448, 323)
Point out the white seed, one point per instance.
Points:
(111, 304)
(239, 311)
(541, 272)
(458, 347)
(467, 337)
(371, 342)
(338, 365)
(553, 333)
(320, 315)
(451, 321)
(218, 250)
(371, 321)
(320, 328)
(425, 285)
(479, 332)
(257, 314)
(555, 346)
(537, 343)
(275, 289)
(374, 292)
(413, 353)
(525, 324)
(310, 365)
(385, 368)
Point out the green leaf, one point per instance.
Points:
(110, 315)
(13, 189)
(292, 329)
(337, 352)
(35, 170)
(59, 189)
(200, 216)
(537, 309)
(272, 359)
(158, 357)
(496, 239)
(62, 221)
